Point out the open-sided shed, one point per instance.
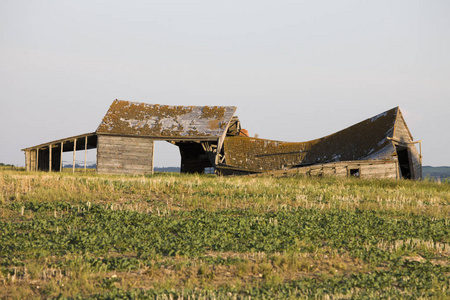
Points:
(125, 138)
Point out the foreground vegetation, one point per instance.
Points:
(172, 236)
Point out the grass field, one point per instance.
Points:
(170, 236)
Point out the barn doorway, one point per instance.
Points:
(166, 157)
(197, 157)
(404, 162)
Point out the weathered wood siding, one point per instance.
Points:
(30, 160)
(367, 169)
(403, 135)
(124, 155)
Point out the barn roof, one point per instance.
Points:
(365, 140)
(164, 121)
(368, 139)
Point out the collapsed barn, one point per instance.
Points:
(210, 139)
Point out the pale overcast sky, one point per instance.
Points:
(297, 70)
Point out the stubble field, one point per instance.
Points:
(170, 236)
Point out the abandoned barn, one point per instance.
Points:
(210, 139)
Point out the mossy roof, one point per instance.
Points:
(164, 121)
(365, 140)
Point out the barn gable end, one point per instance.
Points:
(408, 157)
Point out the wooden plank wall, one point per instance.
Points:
(387, 170)
(402, 134)
(28, 158)
(124, 155)
(367, 169)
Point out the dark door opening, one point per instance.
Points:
(194, 158)
(404, 162)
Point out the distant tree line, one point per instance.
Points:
(167, 169)
(6, 165)
(156, 169)
(80, 166)
(436, 172)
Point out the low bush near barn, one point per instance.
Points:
(189, 236)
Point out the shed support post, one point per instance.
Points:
(420, 146)
(74, 152)
(37, 159)
(61, 158)
(50, 158)
(28, 160)
(153, 158)
(85, 152)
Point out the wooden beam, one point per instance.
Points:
(74, 152)
(27, 163)
(68, 139)
(50, 158)
(37, 159)
(400, 142)
(168, 138)
(85, 152)
(153, 157)
(420, 146)
(61, 158)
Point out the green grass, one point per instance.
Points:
(174, 235)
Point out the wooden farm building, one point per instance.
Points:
(211, 138)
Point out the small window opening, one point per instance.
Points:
(354, 172)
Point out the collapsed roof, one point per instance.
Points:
(369, 139)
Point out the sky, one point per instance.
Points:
(295, 70)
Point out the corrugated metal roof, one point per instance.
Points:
(365, 140)
(153, 120)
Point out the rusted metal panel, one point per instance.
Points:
(164, 121)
